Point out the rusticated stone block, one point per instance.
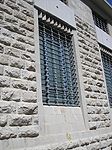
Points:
(12, 5)
(106, 111)
(30, 20)
(20, 15)
(7, 133)
(7, 107)
(88, 88)
(19, 84)
(12, 72)
(1, 48)
(30, 66)
(27, 109)
(4, 40)
(27, 26)
(6, 9)
(103, 144)
(15, 29)
(30, 34)
(18, 63)
(94, 117)
(30, 49)
(32, 86)
(12, 52)
(28, 75)
(11, 19)
(3, 120)
(19, 45)
(20, 120)
(28, 12)
(4, 81)
(30, 41)
(4, 59)
(94, 146)
(28, 56)
(32, 131)
(11, 94)
(22, 39)
(35, 120)
(30, 97)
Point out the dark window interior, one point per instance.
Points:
(58, 73)
(100, 22)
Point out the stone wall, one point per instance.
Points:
(103, 142)
(18, 90)
(93, 78)
(18, 98)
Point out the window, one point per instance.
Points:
(58, 73)
(100, 22)
(107, 64)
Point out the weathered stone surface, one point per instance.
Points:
(19, 84)
(11, 19)
(28, 12)
(29, 132)
(94, 146)
(4, 81)
(3, 120)
(4, 40)
(28, 56)
(6, 9)
(1, 48)
(27, 26)
(27, 109)
(6, 107)
(7, 133)
(29, 1)
(15, 29)
(12, 72)
(30, 20)
(30, 97)
(28, 75)
(30, 66)
(19, 45)
(18, 63)
(11, 94)
(20, 15)
(1, 69)
(12, 5)
(12, 52)
(20, 120)
(30, 49)
(32, 86)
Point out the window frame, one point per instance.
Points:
(76, 100)
(106, 51)
(42, 108)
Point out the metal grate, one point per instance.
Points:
(58, 73)
(100, 22)
(107, 64)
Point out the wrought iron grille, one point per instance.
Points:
(107, 64)
(100, 22)
(58, 73)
